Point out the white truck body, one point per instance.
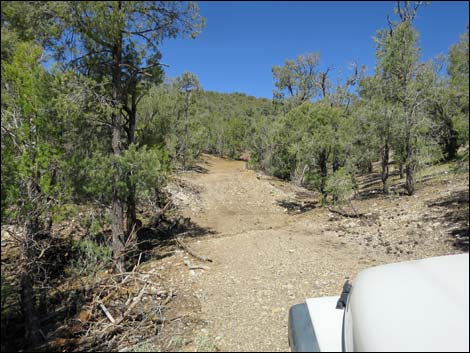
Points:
(327, 321)
(409, 306)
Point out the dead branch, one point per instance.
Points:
(116, 325)
(195, 267)
(344, 214)
(132, 306)
(356, 213)
(191, 252)
(168, 298)
(107, 313)
(165, 208)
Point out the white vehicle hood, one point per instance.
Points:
(410, 306)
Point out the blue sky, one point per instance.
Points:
(243, 40)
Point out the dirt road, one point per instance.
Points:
(264, 257)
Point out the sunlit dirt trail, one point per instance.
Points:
(264, 257)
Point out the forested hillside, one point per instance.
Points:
(94, 132)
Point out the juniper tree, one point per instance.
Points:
(383, 116)
(187, 86)
(458, 70)
(399, 70)
(118, 42)
(299, 80)
(30, 149)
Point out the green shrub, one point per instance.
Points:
(144, 347)
(95, 227)
(64, 212)
(340, 185)
(91, 257)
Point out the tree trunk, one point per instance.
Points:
(410, 163)
(370, 167)
(131, 209)
(323, 172)
(185, 133)
(302, 177)
(117, 224)
(449, 137)
(385, 153)
(451, 142)
(26, 281)
(336, 163)
(28, 308)
(131, 200)
(410, 169)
